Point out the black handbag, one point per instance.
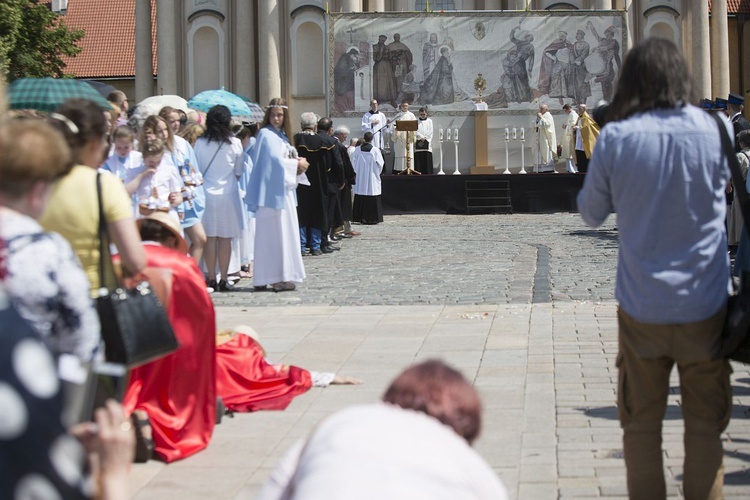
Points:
(735, 340)
(134, 325)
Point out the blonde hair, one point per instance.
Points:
(123, 132)
(191, 132)
(153, 148)
(31, 150)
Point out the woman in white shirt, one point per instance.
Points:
(222, 161)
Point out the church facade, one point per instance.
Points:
(269, 48)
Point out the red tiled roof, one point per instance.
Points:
(109, 41)
(736, 6)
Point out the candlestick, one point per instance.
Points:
(455, 134)
(441, 134)
(514, 134)
(507, 134)
(448, 133)
(522, 130)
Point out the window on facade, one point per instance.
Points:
(435, 5)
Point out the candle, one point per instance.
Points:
(441, 133)
(507, 134)
(514, 134)
(448, 133)
(522, 133)
(455, 134)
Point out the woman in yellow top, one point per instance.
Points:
(73, 208)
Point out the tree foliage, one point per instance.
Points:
(33, 40)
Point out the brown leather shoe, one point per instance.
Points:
(354, 233)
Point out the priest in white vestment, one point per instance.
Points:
(400, 140)
(368, 164)
(569, 144)
(271, 196)
(546, 139)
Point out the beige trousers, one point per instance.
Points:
(647, 353)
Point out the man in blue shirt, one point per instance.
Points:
(659, 165)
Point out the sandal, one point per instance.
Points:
(284, 286)
(144, 442)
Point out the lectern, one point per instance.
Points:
(408, 126)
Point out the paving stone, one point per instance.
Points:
(545, 371)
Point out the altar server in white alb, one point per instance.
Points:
(403, 142)
(375, 121)
(423, 149)
(546, 139)
(569, 143)
(271, 197)
(368, 164)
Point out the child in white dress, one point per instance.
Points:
(157, 185)
(123, 157)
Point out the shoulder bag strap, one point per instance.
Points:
(103, 235)
(212, 159)
(739, 183)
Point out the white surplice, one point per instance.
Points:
(367, 165)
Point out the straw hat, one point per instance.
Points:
(169, 223)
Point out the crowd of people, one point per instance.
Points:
(173, 195)
(81, 187)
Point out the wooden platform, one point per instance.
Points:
(430, 194)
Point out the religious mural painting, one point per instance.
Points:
(433, 59)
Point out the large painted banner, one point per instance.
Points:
(439, 59)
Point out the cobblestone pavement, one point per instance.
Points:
(522, 304)
(456, 259)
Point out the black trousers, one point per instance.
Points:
(582, 163)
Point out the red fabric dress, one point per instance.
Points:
(178, 391)
(245, 381)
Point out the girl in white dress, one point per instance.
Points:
(271, 196)
(156, 186)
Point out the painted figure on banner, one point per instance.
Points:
(430, 55)
(602, 66)
(410, 88)
(343, 80)
(438, 88)
(554, 68)
(579, 76)
(517, 65)
(401, 59)
(384, 86)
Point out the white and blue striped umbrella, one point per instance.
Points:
(207, 99)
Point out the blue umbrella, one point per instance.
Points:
(207, 99)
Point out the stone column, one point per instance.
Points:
(602, 5)
(376, 5)
(144, 69)
(269, 74)
(493, 5)
(719, 49)
(244, 54)
(351, 5)
(166, 47)
(700, 49)
(516, 4)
